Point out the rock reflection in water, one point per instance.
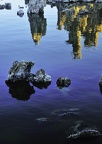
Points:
(37, 26)
(87, 25)
(21, 90)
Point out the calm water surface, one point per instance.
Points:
(64, 47)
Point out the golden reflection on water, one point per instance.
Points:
(87, 25)
(37, 26)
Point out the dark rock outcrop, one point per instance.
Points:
(20, 13)
(63, 82)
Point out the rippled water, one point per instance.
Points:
(64, 48)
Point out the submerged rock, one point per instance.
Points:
(63, 82)
(85, 134)
(42, 119)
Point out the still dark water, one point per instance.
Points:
(66, 46)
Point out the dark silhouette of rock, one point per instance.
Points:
(8, 6)
(63, 82)
(2, 7)
(21, 90)
(20, 13)
(19, 79)
(100, 85)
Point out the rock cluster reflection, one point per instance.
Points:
(38, 26)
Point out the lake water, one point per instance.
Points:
(67, 45)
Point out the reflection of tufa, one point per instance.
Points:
(37, 26)
(36, 6)
(85, 134)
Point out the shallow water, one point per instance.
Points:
(49, 115)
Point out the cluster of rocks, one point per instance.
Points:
(5, 6)
(20, 77)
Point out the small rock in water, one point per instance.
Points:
(63, 82)
(43, 119)
(41, 79)
(85, 134)
(8, 6)
(20, 13)
(2, 7)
